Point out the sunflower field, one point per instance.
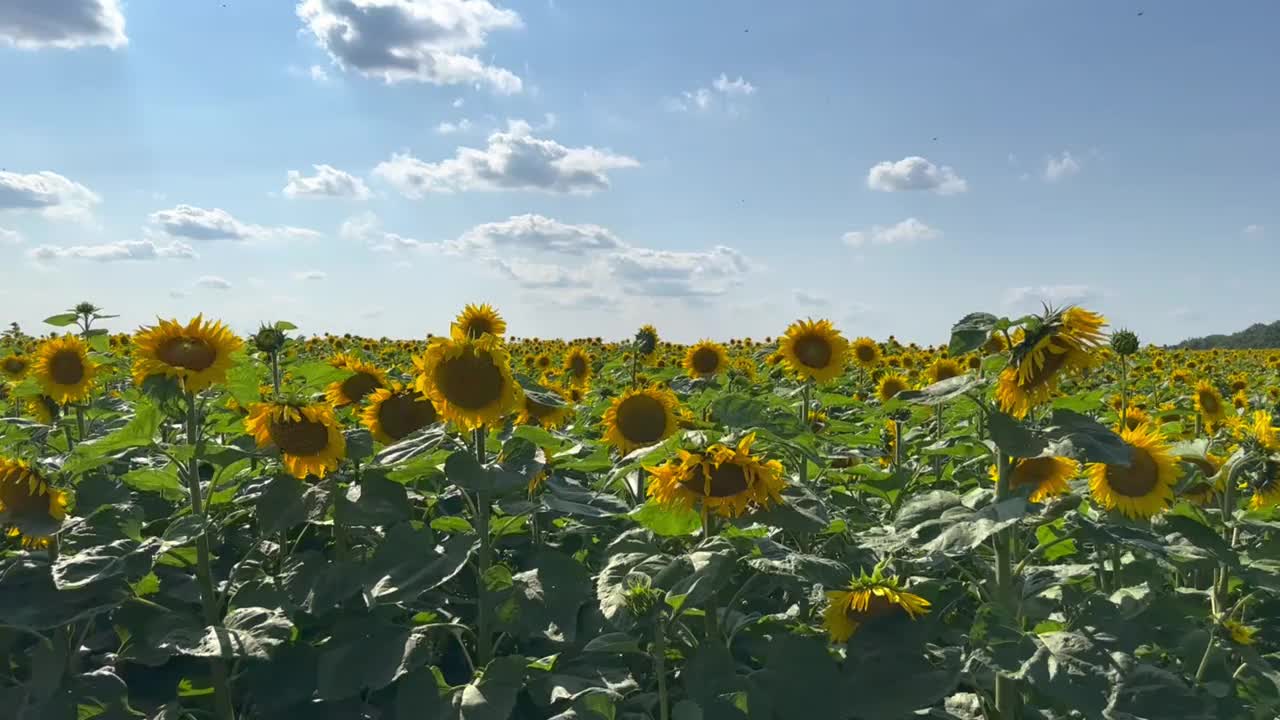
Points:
(1039, 518)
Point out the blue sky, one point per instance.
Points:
(715, 168)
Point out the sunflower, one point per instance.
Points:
(705, 359)
(14, 366)
(543, 361)
(1238, 382)
(1145, 486)
(533, 412)
(943, 369)
(995, 344)
(63, 369)
(364, 379)
(578, 394)
(1046, 476)
(308, 436)
(1240, 633)
(1209, 403)
(44, 409)
(642, 417)
(866, 353)
(1064, 341)
(890, 386)
(469, 381)
(1265, 486)
(724, 480)
(746, 367)
(476, 321)
(25, 497)
(577, 365)
(198, 354)
(1262, 431)
(1134, 418)
(814, 350)
(1202, 488)
(1240, 400)
(395, 412)
(867, 598)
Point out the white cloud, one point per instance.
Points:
(908, 231)
(536, 232)
(1057, 168)
(449, 128)
(311, 275)
(1254, 230)
(197, 223)
(1031, 297)
(643, 271)
(114, 252)
(915, 173)
(807, 298)
(366, 228)
(412, 40)
(64, 24)
(512, 160)
(327, 182)
(536, 276)
(10, 237)
(213, 282)
(722, 92)
(46, 192)
(733, 87)
(458, 102)
(319, 74)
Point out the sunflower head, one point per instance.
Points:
(14, 366)
(395, 412)
(476, 321)
(866, 599)
(890, 385)
(197, 354)
(469, 381)
(1145, 486)
(44, 409)
(1046, 476)
(28, 501)
(364, 379)
(646, 339)
(640, 417)
(1134, 418)
(944, 369)
(1205, 482)
(1209, 402)
(866, 353)
(1060, 341)
(1239, 633)
(63, 369)
(577, 366)
(723, 479)
(705, 359)
(533, 411)
(814, 350)
(309, 437)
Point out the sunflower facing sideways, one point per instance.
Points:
(1145, 486)
(814, 350)
(1205, 484)
(63, 370)
(44, 409)
(469, 381)
(724, 480)
(308, 436)
(15, 367)
(395, 412)
(1046, 476)
(577, 366)
(639, 418)
(867, 598)
(866, 353)
(705, 358)
(1209, 403)
(26, 498)
(476, 321)
(197, 354)
(1265, 485)
(1062, 341)
(364, 379)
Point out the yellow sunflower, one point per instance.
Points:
(1265, 486)
(63, 369)
(476, 321)
(364, 379)
(1263, 432)
(943, 369)
(44, 409)
(469, 381)
(395, 412)
(25, 497)
(866, 353)
(308, 436)
(1240, 633)
(198, 354)
(640, 417)
(814, 350)
(577, 366)
(1209, 403)
(1204, 487)
(15, 366)
(724, 480)
(867, 598)
(705, 359)
(1065, 341)
(1145, 487)
(1134, 418)
(890, 386)
(1240, 400)
(532, 412)
(1046, 476)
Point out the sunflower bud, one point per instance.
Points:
(269, 339)
(1124, 342)
(87, 309)
(640, 596)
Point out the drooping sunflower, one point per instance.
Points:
(1061, 342)
(476, 321)
(1046, 476)
(867, 598)
(533, 412)
(814, 350)
(308, 436)
(943, 369)
(1261, 430)
(1203, 487)
(705, 358)
(866, 353)
(26, 499)
(365, 378)
(640, 417)
(1265, 485)
(1145, 487)
(1239, 633)
(44, 409)
(197, 354)
(469, 381)
(1209, 403)
(63, 369)
(395, 412)
(15, 366)
(577, 366)
(724, 480)
(890, 385)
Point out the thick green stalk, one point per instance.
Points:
(204, 571)
(806, 396)
(275, 374)
(712, 621)
(1006, 688)
(80, 425)
(484, 637)
(660, 667)
(937, 435)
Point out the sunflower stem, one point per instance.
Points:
(1208, 655)
(1006, 687)
(275, 373)
(937, 460)
(712, 622)
(806, 398)
(484, 647)
(660, 667)
(1115, 568)
(80, 422)
(204, 572)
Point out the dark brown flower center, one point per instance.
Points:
(642, 419)
(945, 371)
(705, 361)
(1033, 472)
(727, 480)
(891, 387)
(471, 381)
(476, 327)
(578, 365)
(302, 437)
(1209, 403)
(865, 352)
(1138, 479)
(66, 367)
(357, 386)
(14, 365)
(877, 607)
(813, 351)
(403, 413)
(189, 353)
(18, 499)
(544, 361)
